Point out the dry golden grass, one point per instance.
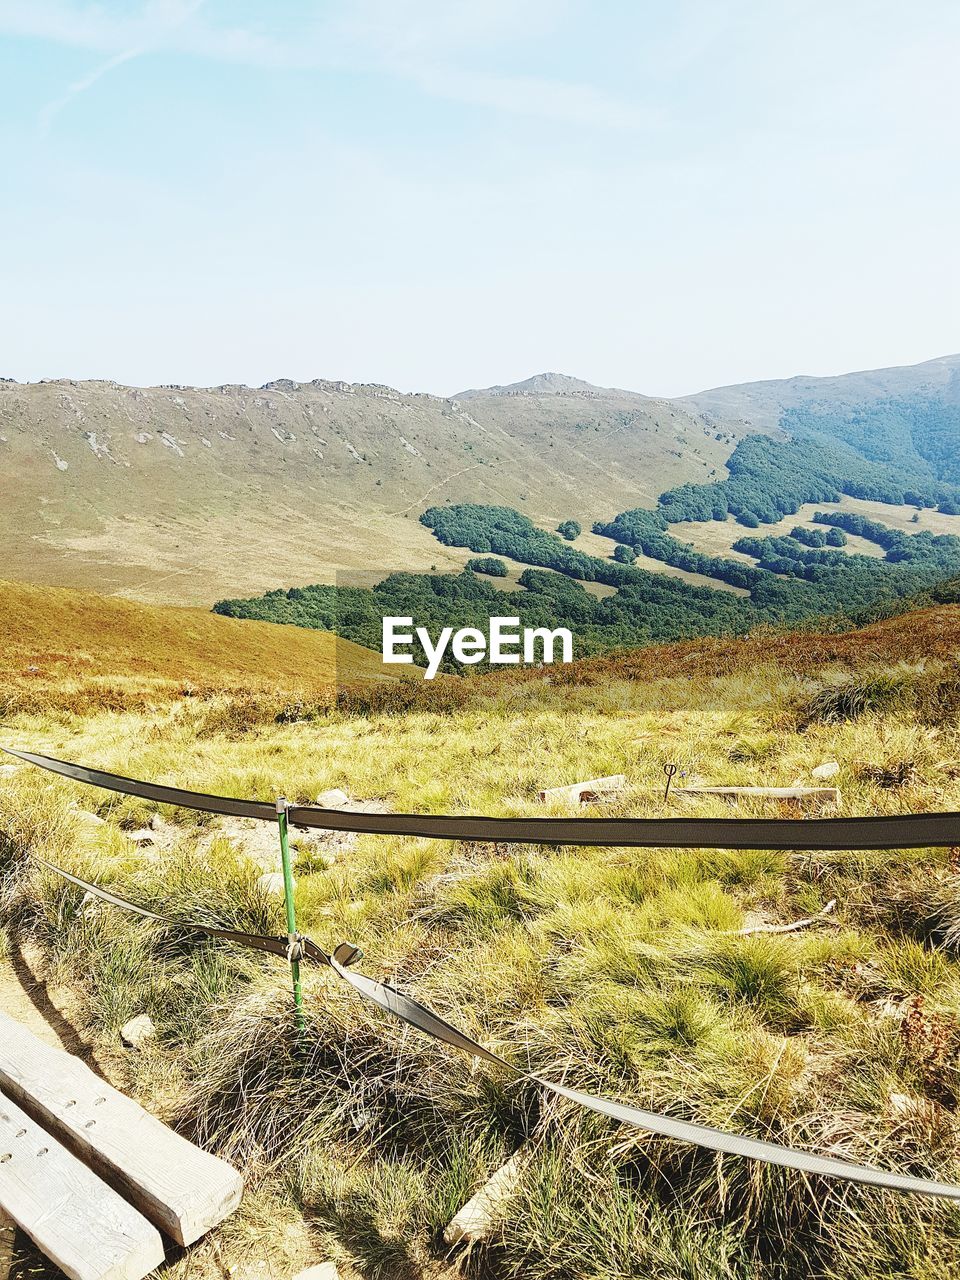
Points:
(618, 970)
(913, 637)
(74, 648)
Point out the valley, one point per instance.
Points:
(844, 512)
(192, 495)
(183, 495)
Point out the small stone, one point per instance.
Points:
(332, 799)
(90, 819)
(476, 1219)
(143, 836)
(272, 882)
(829, 769)
(138, 1031)
(325, 1271)
(253, 1271)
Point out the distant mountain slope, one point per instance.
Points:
(55, 637)
(758, 405)
(193, 494)
(544, 384)
(190, 494)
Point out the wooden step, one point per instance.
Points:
(183, 1190)
(72, 1216)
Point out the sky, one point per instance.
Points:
(663, 195)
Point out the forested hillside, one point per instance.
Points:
(898, 452)
(790, 582)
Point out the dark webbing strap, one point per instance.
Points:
(903, 831)
(255, 941)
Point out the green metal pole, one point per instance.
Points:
(292, 937)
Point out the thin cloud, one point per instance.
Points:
(157, 20)
(525, 95)
(374, 36)
(48, 113)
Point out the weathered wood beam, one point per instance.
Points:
(770, 793)
(72, 1216)
(476, 1220)
(183, 1190)
(580, 791)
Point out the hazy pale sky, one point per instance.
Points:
(663, 195)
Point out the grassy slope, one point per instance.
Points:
(615, 969)
(64, 644)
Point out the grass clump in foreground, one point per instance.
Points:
(619, 971)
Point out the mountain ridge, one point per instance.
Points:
(553, 383)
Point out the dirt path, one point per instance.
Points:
(26, 996)
(15, 1001)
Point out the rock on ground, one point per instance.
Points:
(138, 1031)
(272, 882)
(333, 799)
(325, 1271)
(476, 1219)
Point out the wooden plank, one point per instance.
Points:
(182, 1189)
(72, 1216)
(771, 793)
(580, 791)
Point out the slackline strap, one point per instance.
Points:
(256, 942)
(427, 1022)
(902, 831)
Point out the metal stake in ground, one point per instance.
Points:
(669, 770)
(293, 938)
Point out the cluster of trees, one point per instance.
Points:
(936, 549)
(489, 565)
(645, 531)
(652, 610)
(506, 532)
(818, 538)
(787, 555)
(569, 529)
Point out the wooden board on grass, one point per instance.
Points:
(183, 1190)
(70, 1214)
(770, 793)
(580, 791)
